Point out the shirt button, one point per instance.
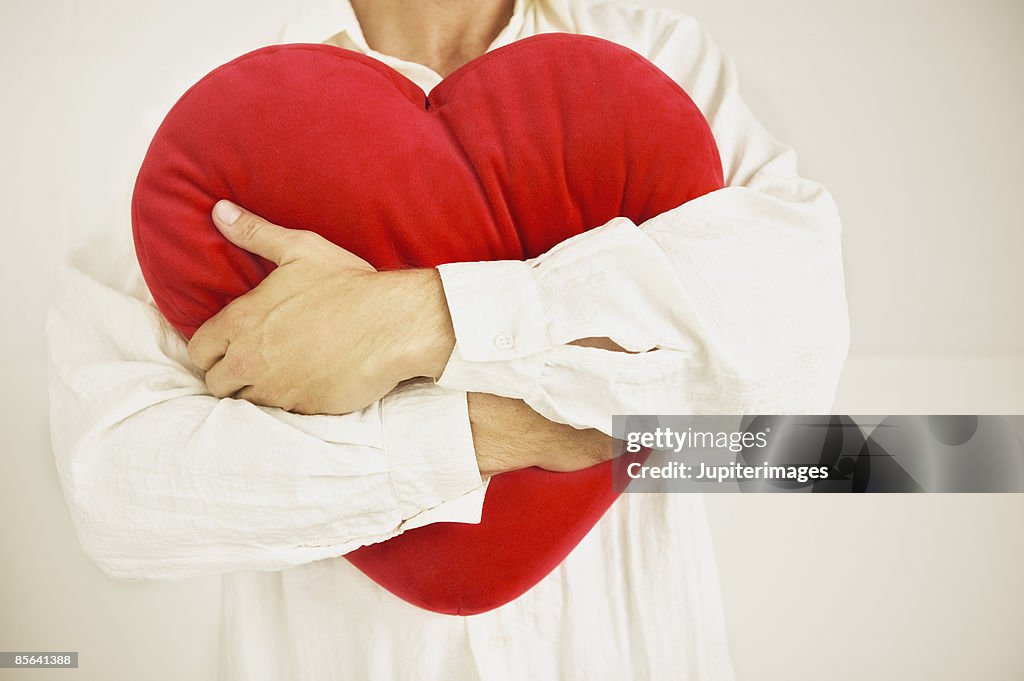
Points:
(504, 341)
(497, 641)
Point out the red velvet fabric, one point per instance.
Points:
(508, 156)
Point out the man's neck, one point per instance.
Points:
(440, 34)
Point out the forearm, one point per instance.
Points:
(723, 311)
(733, 302)
(164, 480)
(509, 435)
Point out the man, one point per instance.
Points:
(175, 460)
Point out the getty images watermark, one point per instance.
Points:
(819, 453)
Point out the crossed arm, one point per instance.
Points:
(732, 303)
(325, 333)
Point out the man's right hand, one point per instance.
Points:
(509, 435)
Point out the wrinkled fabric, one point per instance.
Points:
(164, 481)
(507, 158)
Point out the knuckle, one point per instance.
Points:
(256, 395)
(239, 364)
(293, 401)
(216, 388)
(298, 400)
(234, 323)
(285, 404)
(233, 320)
(249, 227)
(305, 239)
(266, 395)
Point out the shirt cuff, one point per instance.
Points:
(609, 282)
(429, 448)
(497, 309)
(512, 378)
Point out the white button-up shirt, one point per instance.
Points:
(738, 296)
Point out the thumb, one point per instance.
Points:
(251, 232)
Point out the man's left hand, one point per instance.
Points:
(324, 333)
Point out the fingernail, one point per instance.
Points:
(226, 212)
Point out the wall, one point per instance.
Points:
(905, 109)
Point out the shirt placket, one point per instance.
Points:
(489, 646)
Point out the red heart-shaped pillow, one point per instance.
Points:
(508, 156)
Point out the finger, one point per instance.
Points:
(223, 381)
(253, 233)
(209, 343)
(249, 393)
(256, 395)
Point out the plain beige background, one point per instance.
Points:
(908, 110)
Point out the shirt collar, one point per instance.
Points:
(316, 21)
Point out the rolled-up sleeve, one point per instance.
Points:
(164, 480)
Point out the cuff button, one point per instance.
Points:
(504, 341)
